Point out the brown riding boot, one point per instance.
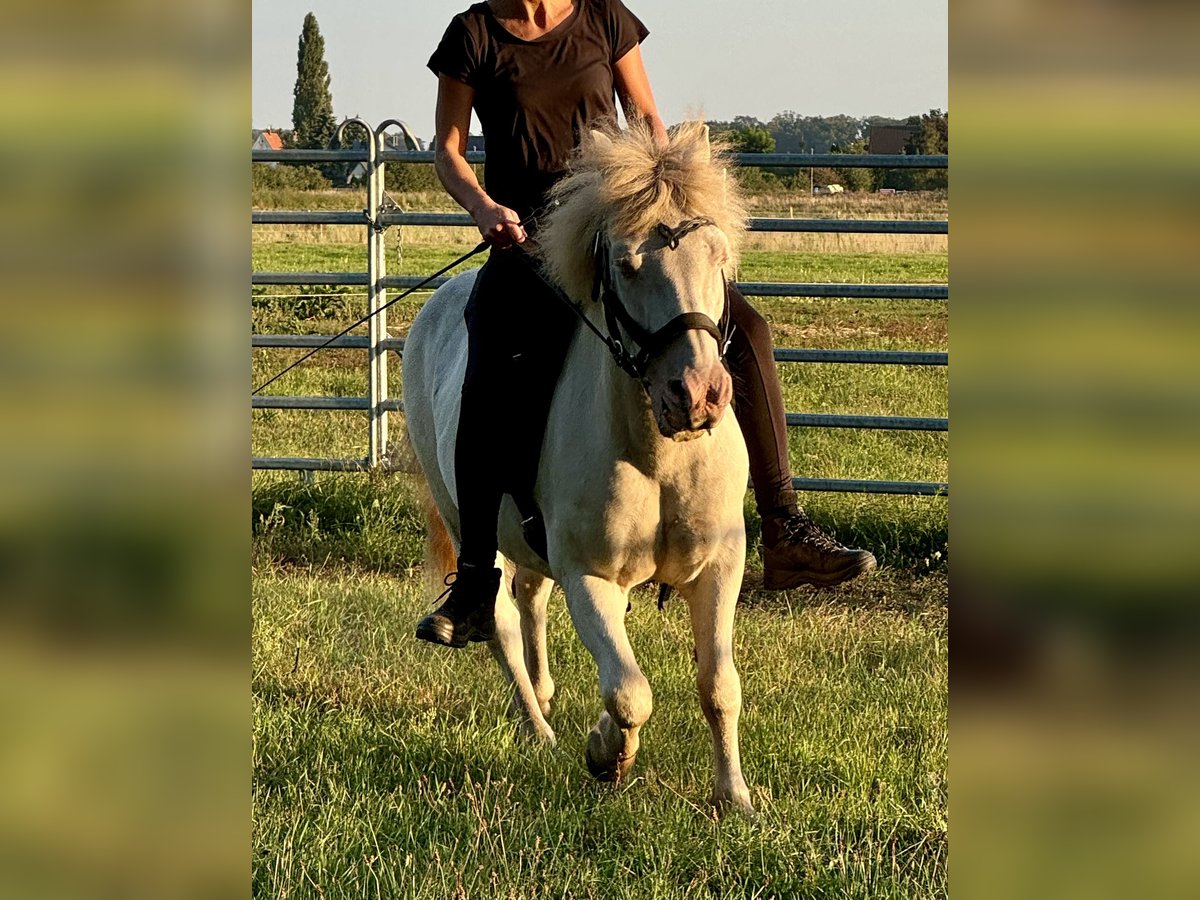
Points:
(469, 613)
(796, 551)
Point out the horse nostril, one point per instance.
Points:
(677, 388)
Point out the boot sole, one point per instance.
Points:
(444, 637)
(817, 579)
(448, 638)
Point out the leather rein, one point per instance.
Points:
(650, 343)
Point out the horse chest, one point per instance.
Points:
(626, 505)
(631, 526)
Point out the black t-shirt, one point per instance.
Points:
(534, 98)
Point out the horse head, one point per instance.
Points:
(665, 294)
(647, 232)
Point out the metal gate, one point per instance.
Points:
(378, 404)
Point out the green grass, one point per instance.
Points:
(387, 768)
(854, 268)
(757, 265)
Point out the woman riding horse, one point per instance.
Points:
(538, 73)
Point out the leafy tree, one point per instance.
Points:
(269, 177)
(933, 137)
(753, 139)
(403, 177)
(855, 179)
(755, 180)
(312, 105)
(788, 130)
(794, 133)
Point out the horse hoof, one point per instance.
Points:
(537, 732)
(739, 804)
(609, 772)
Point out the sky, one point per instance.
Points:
(713, 59)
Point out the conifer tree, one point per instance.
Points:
(312, 106)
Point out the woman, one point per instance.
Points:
(537, 73)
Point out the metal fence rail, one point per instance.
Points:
(827, 226)
(376, 343)
(761, 160)
(782, 354)
(749, 288)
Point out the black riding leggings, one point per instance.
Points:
(518, 337)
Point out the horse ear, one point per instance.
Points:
(601, 139)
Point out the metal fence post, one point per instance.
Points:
(376, 297)
(375, 394)
(379, 355)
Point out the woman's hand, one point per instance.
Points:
(499, 225)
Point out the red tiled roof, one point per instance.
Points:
(273, 138)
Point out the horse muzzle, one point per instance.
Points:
(691, 406)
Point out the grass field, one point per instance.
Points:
(384, 768)
(388, 769)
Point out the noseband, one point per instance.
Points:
(651, 343)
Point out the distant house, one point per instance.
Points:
(392, 140)
(266, 140)
(828, 189)
(890, 138)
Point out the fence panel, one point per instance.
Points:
(376, 219)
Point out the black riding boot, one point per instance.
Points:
(469, 613)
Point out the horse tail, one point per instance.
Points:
(439, 549)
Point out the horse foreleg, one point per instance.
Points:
(532, 594)
(507, 649)
(711, 600)
(597, 608)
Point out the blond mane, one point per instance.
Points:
(627, 185)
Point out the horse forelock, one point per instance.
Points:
(625, 186)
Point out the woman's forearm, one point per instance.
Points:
(633, 89)
(498, 224)
(460, 182)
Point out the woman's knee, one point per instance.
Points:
(750, 321)
(754, 332)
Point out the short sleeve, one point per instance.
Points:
(457, 55)
(625, 30)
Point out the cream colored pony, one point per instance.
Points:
(639, 479)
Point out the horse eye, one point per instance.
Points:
(626, 267)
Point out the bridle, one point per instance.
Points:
(651, 343)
